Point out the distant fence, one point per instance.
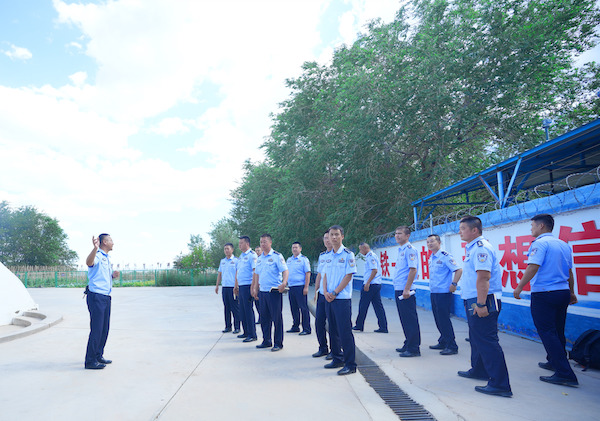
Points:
(127, 278)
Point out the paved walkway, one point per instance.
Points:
(171, 362)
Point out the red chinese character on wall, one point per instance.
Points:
(514, 254)
(425, 262)
(583, 274)
(385, 266)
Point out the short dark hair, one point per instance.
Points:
(403, 228)
(437, 237)
(546, 219)
(326, 233)
(101, 237)
(297, 242)
(336, 227)
(228, 244)
(364, 244)
(267, 236)
(472, 222)
(245, 238)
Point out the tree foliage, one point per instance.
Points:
(445, 90)
(31, 238)
(197, 258)
(222, 232)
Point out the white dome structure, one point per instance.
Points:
(14, 297)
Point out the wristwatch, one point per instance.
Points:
(335, 294)
(480, 305)
(455, 284)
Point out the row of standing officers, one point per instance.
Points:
(264, 278)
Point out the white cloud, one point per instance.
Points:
(18, 53)
(78, 78)
(170, 126)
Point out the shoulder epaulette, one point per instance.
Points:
(409, 246)
(347, 250)
(323, 252)
(480, 243)
(444, 253)
(275, 252)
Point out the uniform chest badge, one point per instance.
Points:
(533, 252)
(439, 262)
(328, 260)
(482, 257)
(270, 260)
(453, 262)
(341, 260)
(412, 257)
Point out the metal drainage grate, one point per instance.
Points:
(392, 395)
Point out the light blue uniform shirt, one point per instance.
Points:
(407, 258)
(245, 267)
(298, 267)
(269, 268)
(100, 274)
(372, 262)
(480, 255)
(338, 265)
(321, 268)
(441, 269)
(554, 258)
(228, 267)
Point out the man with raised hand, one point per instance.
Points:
(270, 283)
(481, 287)
(371, 291)
(340, 267)
(100, 276)
(407, 265)
(226, 277)
(444, 274)
(320, 312)
(298, 281)
(243, 282)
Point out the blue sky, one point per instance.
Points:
(134, 117)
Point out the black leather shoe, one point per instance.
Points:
(249, 339)
(226, 330)
(304, 333)
(438, 346)
(449, 351)
(546, 366)
(319, 353)
(276, 348)
(95, 366)
(401, 350)
(380, 331)
(470, 375)
(329, 357)
(243, 335)
(489, 390)
(408, 354)
(264, 345)
(554, 379)
(101, 360)
(293, 330)
(346, 370)
(334, 364)
(357, 328)
(235, 332)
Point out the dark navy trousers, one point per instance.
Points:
(271, 304)
(372, 296)
(299, 307)
(232, 308)
(246, 312)
(339, 314)
(487, 357)
(320, 322)
(549, 313)
(99, 308)
(441, 305)
(407, 310)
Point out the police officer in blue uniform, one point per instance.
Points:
(100, 276)
(371, 291)
(298, 281)
(481, 287)
(243, 281)
(442, 284)
(407, 264)
(226, 277)
(320, 311)
(270, 282)
(340, 267)
(549, 269)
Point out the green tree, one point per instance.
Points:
(222, 232)
(31, 238)
(197, 258)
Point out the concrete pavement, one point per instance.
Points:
(171, 362)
